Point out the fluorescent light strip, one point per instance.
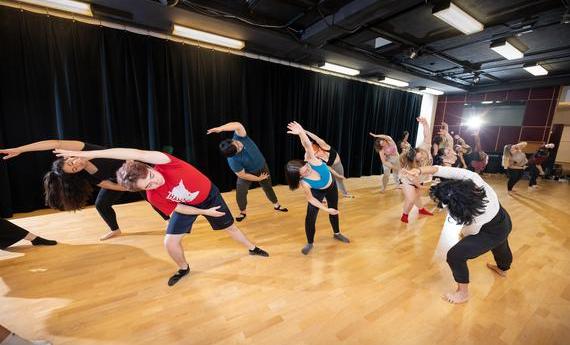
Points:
(536, 70)
(394, 82)
(507, 50)
(487, 102)
(459, 19)
(63, 5)
(432, 91)
(202, 36)
(339, 69)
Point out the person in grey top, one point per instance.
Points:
(515, 162)
(247, 162)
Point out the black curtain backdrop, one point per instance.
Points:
(68, 80)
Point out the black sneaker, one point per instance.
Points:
(258, 251)
(241, 217)
(177, 276)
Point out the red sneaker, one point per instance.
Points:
(425, 212)
(404, 218)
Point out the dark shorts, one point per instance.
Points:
(182, 223)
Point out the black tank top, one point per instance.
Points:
(332, 157)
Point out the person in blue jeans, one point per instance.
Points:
(247, 162)
(315, 179)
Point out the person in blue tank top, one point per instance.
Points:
(247, 162)
(314, 177)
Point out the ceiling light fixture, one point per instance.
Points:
(393, 82)
(202, 36)
(339, 69)
(507, 50)
(459, 19)
(535, 69)
(63, 5)
(430, 91)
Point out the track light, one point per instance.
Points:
(456, 17)
(476, 78)
(202, 36)
(339, 69)
(63, 5)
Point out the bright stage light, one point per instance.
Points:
(474, 122)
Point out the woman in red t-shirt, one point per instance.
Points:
(176, 188)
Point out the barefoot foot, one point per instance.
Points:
(456, 297)
(109, 235)
(497, 270)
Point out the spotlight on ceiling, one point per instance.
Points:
(476, 78)
(413, 53)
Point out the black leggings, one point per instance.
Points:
(514, 176)
(331, 193)
(104, 205)
(533, 173)
(10, 233)
(493, 237)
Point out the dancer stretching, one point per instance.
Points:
(515, 161)
(176, 188)
(330, 156)
(388, 151)
(472, 203)
(316, 181)
(248, 163)
(68, 186)
(415, 158)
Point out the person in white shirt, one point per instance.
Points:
(472, 203)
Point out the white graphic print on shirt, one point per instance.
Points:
(181, 194)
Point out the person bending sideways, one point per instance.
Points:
(486, 225)
(176, 188)
(247, 162)
(315, 179)
(69, 185)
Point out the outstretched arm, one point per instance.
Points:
(45, 145)
(335, 174)
(323, 144)
(425, 128)
(229, 127)
(296, 129)
(151, 157)
(383, 136)
(315, 202)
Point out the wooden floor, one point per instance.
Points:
(383, 288)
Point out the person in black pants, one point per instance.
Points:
(10, 233)
(515, 162)
(69, 184)
(483, 225)
(316, 181)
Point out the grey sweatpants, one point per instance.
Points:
(242, 188)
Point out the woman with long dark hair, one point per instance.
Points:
(315, 179)
(480, 158)
(388, 152)
(69, 185)
(515, 162)
(483, 224)
(414, 158)
(330, 156)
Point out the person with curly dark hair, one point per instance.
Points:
(483, 224)
(315, 179)
(69, 185)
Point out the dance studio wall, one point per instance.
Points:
(63, 79)
(537, 121)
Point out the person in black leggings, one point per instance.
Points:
(10, 233)
(515, 161)
(483, 224)
(316, 181)
(69, 184)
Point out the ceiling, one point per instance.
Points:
(379, 37)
